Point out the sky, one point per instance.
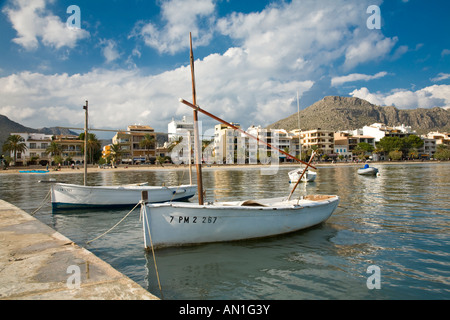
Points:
(130, 59)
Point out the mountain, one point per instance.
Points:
(343, 113)
(8, 126)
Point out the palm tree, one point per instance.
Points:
(116, 153)
(54, 149)
(93, 146)
(14, 143)
(148, 143)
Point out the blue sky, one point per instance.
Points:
(130, 59)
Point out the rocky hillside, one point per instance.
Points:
(342, 113)
(8, 126)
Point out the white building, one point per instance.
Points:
(37, 144)
(179, 128)
(380, 130)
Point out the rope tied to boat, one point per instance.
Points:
(103, 234)
(147, 226)
(43, 203)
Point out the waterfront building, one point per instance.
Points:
(229, 145)
(318, 139)
(380, 130)
(428, 149)
(178, 129)
(36, 146)
(440, 137)
(130, 144)
(71, 148)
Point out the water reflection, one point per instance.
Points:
(398, 221)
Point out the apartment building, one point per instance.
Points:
(440, 137)
(380, 130)
(71, 148)
(229, 144)
(130, 144)
(318, 138)
(179, 128)
(37, 144)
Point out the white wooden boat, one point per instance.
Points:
(368, 171)
(309, 175)
(71, 196)
(177, 224)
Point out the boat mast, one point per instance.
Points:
(299, 135)
(198, 158)
(85, 140)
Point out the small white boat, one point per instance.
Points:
(178, 224)
(71, 196)
(368, 171)
(309, 175)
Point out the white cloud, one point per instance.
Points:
(372, 48)
(429, 97)
(32, 22)
(337, 81)
(109, 50)
(180, 17)
(283, 49)
(441, 76)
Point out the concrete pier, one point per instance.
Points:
(38, 263)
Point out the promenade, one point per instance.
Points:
(38, 263)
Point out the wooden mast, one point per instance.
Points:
(198, 155)
(85, 140)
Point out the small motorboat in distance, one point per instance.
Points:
(368, 171)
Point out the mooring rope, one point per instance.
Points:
(145, 217)
(43, 203)
(115, 224)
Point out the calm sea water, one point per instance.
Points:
(399, 221)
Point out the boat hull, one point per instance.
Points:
(178, 224)
(69, 196)
(309, 176)
(368, 171)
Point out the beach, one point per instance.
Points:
(128, 168)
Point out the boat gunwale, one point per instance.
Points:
(292, 204)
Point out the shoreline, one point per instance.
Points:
(143, 168)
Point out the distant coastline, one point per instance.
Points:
(143, 168)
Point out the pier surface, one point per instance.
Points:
(38, 263)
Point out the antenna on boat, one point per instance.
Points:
(197, 152)
(85, 140)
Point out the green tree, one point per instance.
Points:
(14, 143)
(93, 147)
(413, 142)
(148, 143)
(442, 152)
(395, 155)
(389, 144)
(116, 153)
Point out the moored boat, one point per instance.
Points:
(309, 175)
(71, 196)
(174, 224)
(177, 224)
(368, 171)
